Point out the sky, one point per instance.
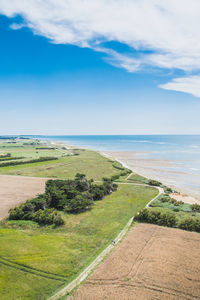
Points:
(99, 67)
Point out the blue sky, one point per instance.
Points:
(49, 87)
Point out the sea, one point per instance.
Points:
(176, 158)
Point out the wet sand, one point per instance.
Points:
(165, 171)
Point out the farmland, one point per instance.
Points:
(151, 263)
(37, 260)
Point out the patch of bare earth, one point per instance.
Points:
(151, 263)
(17, 189)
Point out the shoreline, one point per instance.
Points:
(186, 195)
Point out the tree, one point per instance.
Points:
(78, 204)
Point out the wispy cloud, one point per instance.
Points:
(189, 85)
(168, 30)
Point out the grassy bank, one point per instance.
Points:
(63, 252)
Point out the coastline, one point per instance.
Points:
(152, 169)
(149, 168)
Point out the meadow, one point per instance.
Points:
(69, 162)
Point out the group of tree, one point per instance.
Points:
(70, 196)
(168, 219)
(157, 217)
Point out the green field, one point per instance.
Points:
(88, 162)
(56, 256)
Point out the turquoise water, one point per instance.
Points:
(182, 151)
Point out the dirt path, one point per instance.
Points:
(17, 189)
(152, 262)
(72, 285)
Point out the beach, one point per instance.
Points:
(164, 171)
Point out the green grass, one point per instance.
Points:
(182, 207)
(15, 284)
(88, 162)
(63, 252)
(137, 178)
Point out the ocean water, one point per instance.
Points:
(181, 151)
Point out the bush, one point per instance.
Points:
(175, 202)
(154, 182)
(78, 204)
(167, 189)
(195, 207)
(157, 217)
(115, 177)
(47, 217)
(164, 198)
(190, 224)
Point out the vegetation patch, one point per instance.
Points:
(167, 211)
(71, 196)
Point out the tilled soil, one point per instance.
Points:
(151, 263)
(17, 189)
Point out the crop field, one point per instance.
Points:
(152, 262)
(15, 189)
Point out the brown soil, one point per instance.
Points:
(152, 263)
(17, 189)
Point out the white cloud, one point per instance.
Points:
(16, 26)
(168, 28)
(189, 85)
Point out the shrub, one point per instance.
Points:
(47, 217)
(164, 198)
(167, 190)
(154, 182)
(115, 177)
(190, 224)
(175, 202)
(156, 217)
(195, 207)
(78, 204)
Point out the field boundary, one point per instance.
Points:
(84, 274)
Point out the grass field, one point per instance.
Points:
(88, 162)
(37, 261)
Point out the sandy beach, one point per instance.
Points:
(165, 171)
